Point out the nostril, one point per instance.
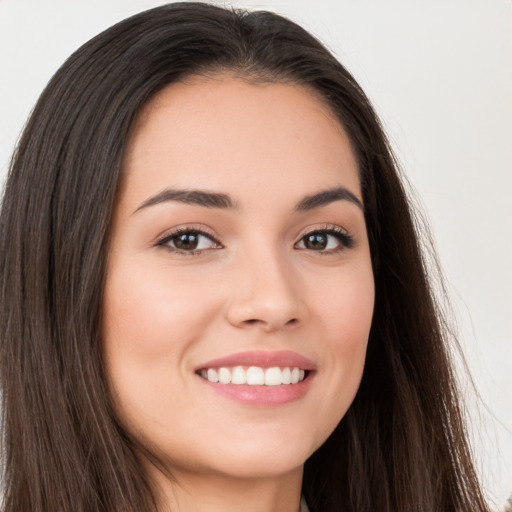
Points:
(269, 325)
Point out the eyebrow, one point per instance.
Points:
(220, 200)
(197, 197)
(326, 197)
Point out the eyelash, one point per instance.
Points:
(344, 240)
(173, 235)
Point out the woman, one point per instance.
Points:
(213, 295)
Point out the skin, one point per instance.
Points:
(256, 287)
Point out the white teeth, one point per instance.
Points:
(254, 375)
(224, 376)
(238, 376)
(273, 377)
(212, 375)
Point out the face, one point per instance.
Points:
(239, 290)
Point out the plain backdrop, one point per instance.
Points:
(439, 73)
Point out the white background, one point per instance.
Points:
(440, 75)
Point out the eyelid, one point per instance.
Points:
(346, 240)
(314, 228)
(163, 238)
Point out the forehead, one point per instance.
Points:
(211, 132)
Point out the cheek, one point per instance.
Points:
(150, 320)
(344, 307)
(152, 313)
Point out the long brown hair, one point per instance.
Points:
(400, 447)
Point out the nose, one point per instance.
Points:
(265, 295)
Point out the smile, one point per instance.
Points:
(259, 378)
(254, 375)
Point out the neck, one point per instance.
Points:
(218, 493)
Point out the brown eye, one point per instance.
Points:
(326, 240)
(189, 241)
(186, 241)
(316, 241)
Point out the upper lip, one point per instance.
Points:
(263, 359)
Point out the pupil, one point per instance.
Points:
(186, 241)
(316, 242)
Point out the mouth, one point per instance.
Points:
(254, 375)
(259, 378)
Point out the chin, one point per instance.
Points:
(259, 466)
(268, 463)
(266, 455)
(258, 458)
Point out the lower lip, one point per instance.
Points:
(262, 396)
